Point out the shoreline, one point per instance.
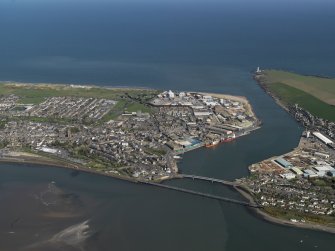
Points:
(263, 215)
(269, 218)
(77, 85)
(24, 157)
(41, 160)
(50, 162)
(241, 99)
(263, 86)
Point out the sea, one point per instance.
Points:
(192, 45)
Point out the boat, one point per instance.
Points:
(228, 139)
(212, 144)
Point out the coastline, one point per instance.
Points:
(262, 84)
(267, 217)
(241, 99)
(77, 85)
(25, 157)
(53, 161)
(41, 160)
(246, 194)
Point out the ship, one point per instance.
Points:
(212, 144)
(228, 139)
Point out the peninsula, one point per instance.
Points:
(131, 133)
(297, 188)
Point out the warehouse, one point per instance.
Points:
(202, 113)
(218, 130)
(323, 138)
(296, 171)
(283, 162)
(288, 176)
(310, 174)
(322, 170)
(322, 155)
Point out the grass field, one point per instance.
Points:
(319, 87)
(36, 93)
(290, 95)
(288, 214)
(125, 106)
(314, 94)
(129, 99)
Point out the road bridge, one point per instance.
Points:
(213, 180)
(206, 195)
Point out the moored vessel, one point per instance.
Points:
(212, 144)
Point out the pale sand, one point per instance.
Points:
(241, 99)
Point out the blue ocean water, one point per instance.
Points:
(159, 43)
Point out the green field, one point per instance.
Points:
(327, 220)
(319, 87)
(129, 99)
(126, 106)
(292, 89)
(36, 93)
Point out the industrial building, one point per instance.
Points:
(288, 176)
(322, 155)
(323, 138)
(218, 130)
(309, 174)
(283, 162)
(297, 171)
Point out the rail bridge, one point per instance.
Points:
(206, 195)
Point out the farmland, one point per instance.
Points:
(315, 94)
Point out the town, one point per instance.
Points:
(297, 186)
(144, 144)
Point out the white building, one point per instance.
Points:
(171, 94)
(288, 176)
(323, 138)
(182, 94)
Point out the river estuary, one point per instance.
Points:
(46, 208)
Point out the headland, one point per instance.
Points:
(131, 133)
